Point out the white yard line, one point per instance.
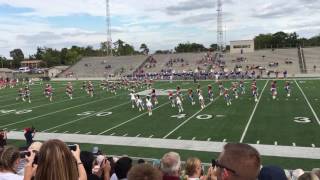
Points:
(264, 150)
(305, 97)
(251, 116)
(54, 112)
(132, 119)
(187, 120)
(85, 117)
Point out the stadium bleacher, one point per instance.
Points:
(312, 57)
(269, 60)
(104, 66)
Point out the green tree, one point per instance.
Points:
(3, 59)
(144, 49)
(51, 57)
(72, 57)
(190, 47)
(214, 47)
(17, 56)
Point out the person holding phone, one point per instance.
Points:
(9, 160)
(56, 161)
(3, 138)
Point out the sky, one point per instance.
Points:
(162, 24)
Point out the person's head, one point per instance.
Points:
(316, 171)
(193, 167)
(170, 164)
(144, 172)
(308, 176)
(141, 161)
(238, 162)
(9, 159)
(55, 161)
(272, 172)
(87, 159)
(35, 146)
(122, 167)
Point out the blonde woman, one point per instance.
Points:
(56, 161)
(193, 169)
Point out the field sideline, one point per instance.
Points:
(285, 121)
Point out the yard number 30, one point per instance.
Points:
(302, 120)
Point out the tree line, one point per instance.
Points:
(284, 40)
(68, 56)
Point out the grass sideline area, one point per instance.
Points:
(289, 121)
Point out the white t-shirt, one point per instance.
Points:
(10, 176)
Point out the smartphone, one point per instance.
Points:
(72, 147)
(23, 154)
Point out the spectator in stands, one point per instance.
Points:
(56, 161)
(170, 166)
(141, 161)
(101, 168)
(9, 161)
(237, 162)
(29, 134)
(34, 147)
(122, 167)
(3, 138)
(272, 172)
(296, 174)
(316, 171)
(87, 159)
(308, 176)
(193, 169)
(144, 172)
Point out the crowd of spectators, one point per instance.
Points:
(237, 73)
(150, 63)
(176, 62)
(55, 160)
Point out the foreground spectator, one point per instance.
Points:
(56, 162)
(316, 171)
(308, 176)
(144, 172)
(193, 169)
(238, 162)
(122, 167)
(296, 174)
(9, 161)
(170, 166)
(34, 147)
(3, 138)
(272, 173)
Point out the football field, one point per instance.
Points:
(285, 121)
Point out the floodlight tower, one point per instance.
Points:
(108, 21)
(220, 42)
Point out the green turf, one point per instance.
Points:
(272, 121)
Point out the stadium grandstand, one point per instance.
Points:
(104, 66)
(158, 93)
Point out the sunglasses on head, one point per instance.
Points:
(215, 163)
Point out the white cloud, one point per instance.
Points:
(146, 21)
